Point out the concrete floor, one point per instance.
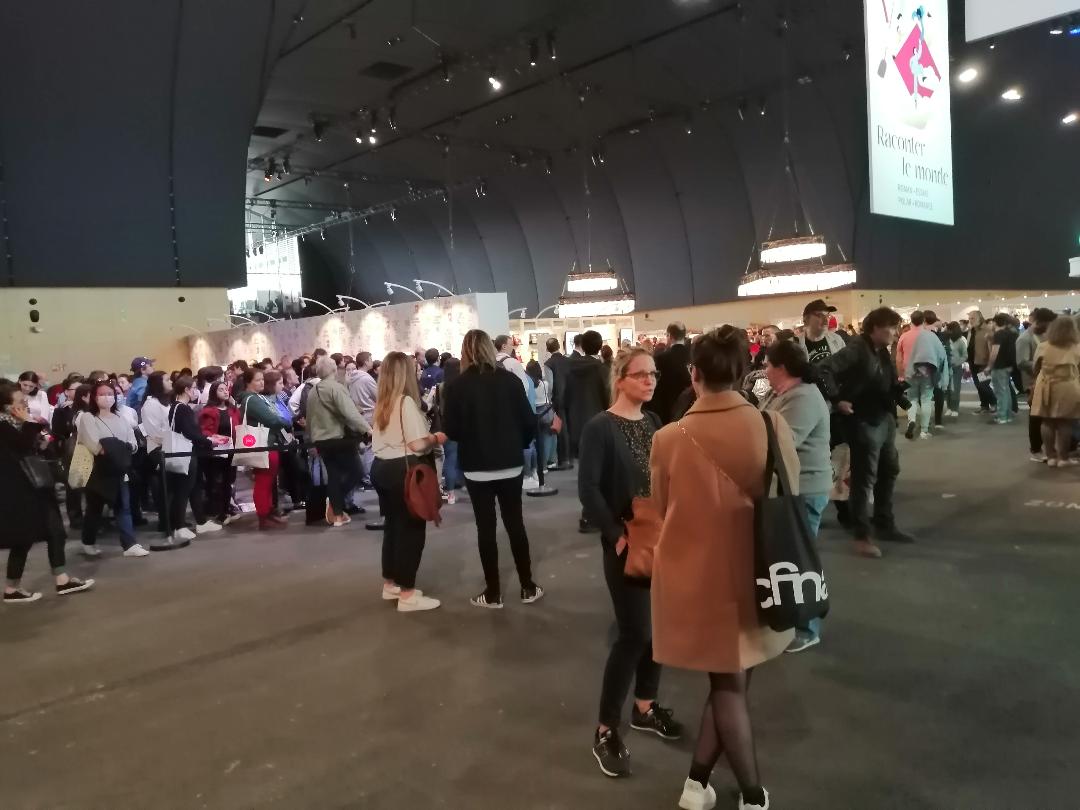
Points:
(263, 671)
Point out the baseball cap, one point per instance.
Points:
(139, 363)
(817, 305)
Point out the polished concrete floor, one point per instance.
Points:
(263, 671)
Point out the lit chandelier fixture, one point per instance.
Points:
(797, 249)
(810, 278)
(592, 294)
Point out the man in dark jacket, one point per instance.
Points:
(674, 367)
(588, 392)
(558, 363)
(861, 382)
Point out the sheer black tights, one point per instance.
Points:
(725, 729)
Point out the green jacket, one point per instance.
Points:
(330, 410)
(260, 412)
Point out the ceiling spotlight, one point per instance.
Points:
(268, 175)
(445, 68)
(303, 237)
(394, 40)
(393, 215)
(804, 79)
(597, 156)
(1012, 94)
(761, 106)
(551, 45)
(846, 53)
(1057, 28)
(359, 136)
(481, 188)
(494, 81)
(740, 108)
(968, 75)
(534, 52)
(317, 130)
(297, 19)
(322, 233)
(652, 113)
(992, 44)
(1069, 119)
(688, 125)
(372, 139)
(391, 118)
(549, 165)
(364, 220)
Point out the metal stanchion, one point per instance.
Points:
(542, 491)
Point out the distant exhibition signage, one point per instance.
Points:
(908, 109)
(985, 18)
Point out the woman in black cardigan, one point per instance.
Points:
(186, 487)
(30, 515)
(614, 471)
(488, 414)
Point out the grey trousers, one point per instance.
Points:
(875, 465)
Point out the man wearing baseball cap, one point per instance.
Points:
(141, 368)
(818, 341)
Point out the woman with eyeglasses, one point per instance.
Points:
(613, 485)
(30, 511)
(111, 441)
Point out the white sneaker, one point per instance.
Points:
(925, 435)
(531, 482)
(417, 602)
(451, 498)
(91, 551)
(184, 534)
(1069, 461)
(1038, 458)
(206, 528)
(744, 806)
(136, 551)
(1051, 462)
(696, 797)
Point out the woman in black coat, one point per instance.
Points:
(488, 414)
(30, 515)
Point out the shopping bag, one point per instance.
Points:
(80, 467)
(248, 436)
(173, 442)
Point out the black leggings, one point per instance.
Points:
(403, 535)
(631, 654)
(16, 562)
(184, 489)
(507, 491)
(218, 477)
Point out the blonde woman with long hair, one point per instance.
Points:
(488, 414)
(400, 429)
(613, 474)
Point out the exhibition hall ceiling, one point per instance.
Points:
(654, 141)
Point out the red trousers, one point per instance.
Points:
(265, 480)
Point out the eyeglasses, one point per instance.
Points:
(641, 376)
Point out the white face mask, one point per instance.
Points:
(106, 402)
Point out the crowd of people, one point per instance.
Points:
(644, 426)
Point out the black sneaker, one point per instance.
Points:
(891, 534)
(611, 755)
(534, 593)
(910, 432)
(353, 509)
(485, 601)
(21, 597)
(587, 528)
(74, 585)
(658, 720)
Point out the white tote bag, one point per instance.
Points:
(247, 436)
(173, 442)
(80, 467)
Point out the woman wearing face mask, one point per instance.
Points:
(37, 400)
(184, 487)
(217, 421)
(111, 441)
(260, 413)
(30, 514)
(612, 480)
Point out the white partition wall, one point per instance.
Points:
(438, 323)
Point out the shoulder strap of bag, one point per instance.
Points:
(710, 459)
(774, 464)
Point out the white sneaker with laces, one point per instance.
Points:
(744, 806)
(925, 435)
(207, 528)
(417, 601)
(1051, 462)
(696, 797)
(91, 551)
(136, 551)
(1038, 458)
(184, 534)
(531, 482)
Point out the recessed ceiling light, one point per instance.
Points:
(1056, 30)
(1012, 94)
(1069, 119)
(968, 75)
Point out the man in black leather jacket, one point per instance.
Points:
(862, 383)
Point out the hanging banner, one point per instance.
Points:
(908, 109)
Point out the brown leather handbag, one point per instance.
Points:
(642, 536)
(423, 498)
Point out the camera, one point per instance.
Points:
(900, 394)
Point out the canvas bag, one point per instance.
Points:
(80, 467)
(246, 436)
(173, 442)
(791, 589)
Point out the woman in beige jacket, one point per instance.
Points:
(707, 469)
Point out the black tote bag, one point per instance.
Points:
(791, 587)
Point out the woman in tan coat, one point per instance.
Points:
(707, 469)
(1056, 395)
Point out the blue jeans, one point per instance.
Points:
(451, 473)
(95, 505)
(921, 395)
(955, 381)
(544, 448)
(1001, 381)
(815, 508)
(529, 467)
